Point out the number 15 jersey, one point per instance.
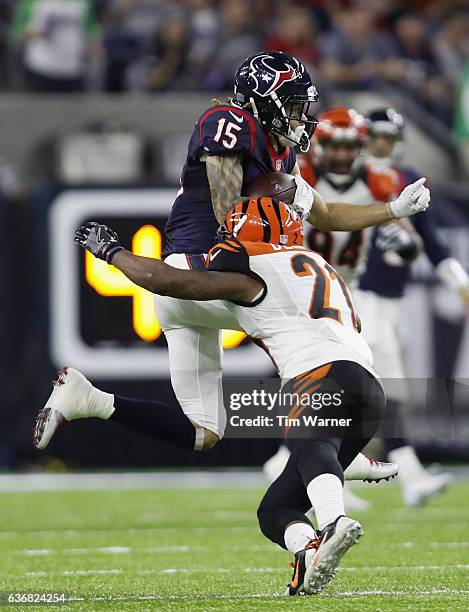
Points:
(305, 314)
(220, 131)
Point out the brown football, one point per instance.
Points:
(274, 185)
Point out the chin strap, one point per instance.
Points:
(305, 142)
(255, 112)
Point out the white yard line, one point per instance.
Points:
(405, 568)
(247, 570)
(411, 593)
(274, 570)
(59, 533)
(87, 572)
(120, 550)
(106, 550)
(444, 511)
(66, 533)
(431, 544)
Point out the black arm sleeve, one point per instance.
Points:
(231, 256)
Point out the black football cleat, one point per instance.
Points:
(299, 568)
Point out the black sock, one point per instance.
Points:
(316, 457)
(155, 419)
(284, 502)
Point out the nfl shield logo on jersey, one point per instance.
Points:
(278, 165)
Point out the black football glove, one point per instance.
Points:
(393, 237)
(98, 239)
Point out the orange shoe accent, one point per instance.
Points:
(295, 579)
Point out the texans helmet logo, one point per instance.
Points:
(267, 78)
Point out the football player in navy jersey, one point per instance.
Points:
(257, 132)
(382, 286)
(268, 116)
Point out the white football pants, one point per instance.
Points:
(381, 327)
(193, 333)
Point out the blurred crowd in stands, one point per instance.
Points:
(416, 46)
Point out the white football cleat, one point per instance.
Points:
(419, 491)
(68, 401)
(370, 470)
(321, 563)
(362, 467)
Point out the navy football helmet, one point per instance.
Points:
(385, 121)
(280, 91)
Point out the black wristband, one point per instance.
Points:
(111, 252)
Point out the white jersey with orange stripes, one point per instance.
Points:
(347, 251)
(305, 315)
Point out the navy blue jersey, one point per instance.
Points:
(390, 281)
(221, 130)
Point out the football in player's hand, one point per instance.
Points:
(276, 185)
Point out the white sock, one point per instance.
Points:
(199, 438)
(100, 403)
(327, 497)
(409, 464)
(297, 535)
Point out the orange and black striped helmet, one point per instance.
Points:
(263, 220)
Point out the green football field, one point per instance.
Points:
(194, 549)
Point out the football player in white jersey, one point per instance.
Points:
(376, 263)
(292, 300)
(334, 166)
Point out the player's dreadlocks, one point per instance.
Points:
(217, 102)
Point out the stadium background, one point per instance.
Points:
(107, 140)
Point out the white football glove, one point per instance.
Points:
(413, 199)
(304, 197)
